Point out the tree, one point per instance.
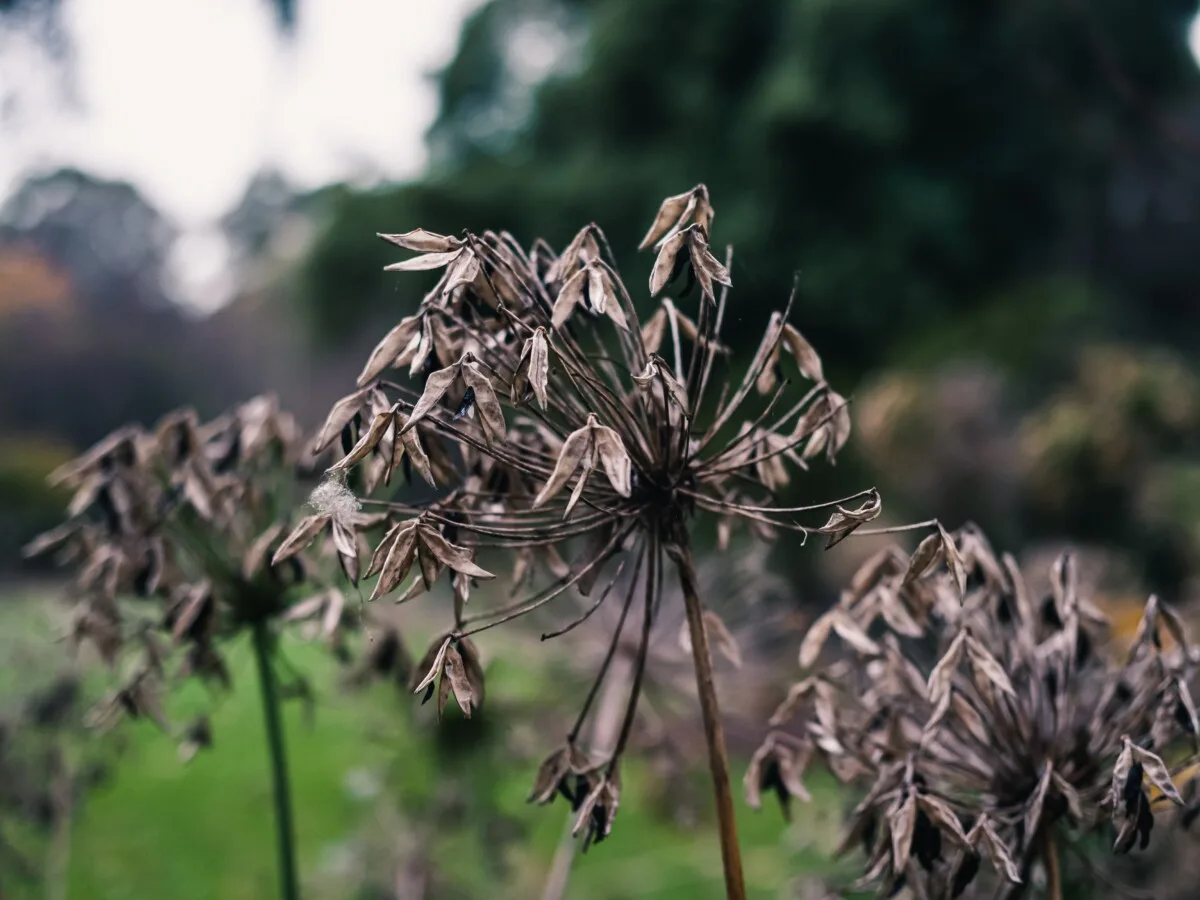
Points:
(905, 157)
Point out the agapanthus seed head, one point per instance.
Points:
(175, 546)
(982, 723)
(565, 431)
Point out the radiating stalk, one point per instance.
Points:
(284, 830)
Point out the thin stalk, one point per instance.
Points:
(285, 835)
(59, 854)
(718, 758)
(603, 737)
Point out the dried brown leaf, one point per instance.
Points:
(435, 388)
(449, 555)
(815, 639)
(902, 820)
(943, 817)
(380, 425)
(423, 241)
(302, 535)
(942, 675)
(997, 852)
(614, 458)
(491, 416)
(426, 261)
(1156, 771)
(386, 353)
(953, 560)
(1033, 811)
(432, 663)
(924, 558)
(533, 369)
(569, 298)
(988, 667)
(577, 445)
(455, 672)
(806, 357)
(665, 264)
(401, 554)
(849, 631)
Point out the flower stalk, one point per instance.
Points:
(285, 839)
(714, 736)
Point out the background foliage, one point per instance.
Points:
(993, 207)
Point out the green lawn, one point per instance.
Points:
(370, 776)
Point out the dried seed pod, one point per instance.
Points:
(940, 736)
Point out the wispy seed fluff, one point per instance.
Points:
(333, 498)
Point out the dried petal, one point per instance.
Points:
(902, 819)
(1156, 771)
(806, 357)
(302, 535)
(719, 636)
(614, 459)
(666, 264)
(425, 262)
(953, 560)
(385, 354)
(987, 666)
(432, 663)
(491, 416)
(423, 241)
(924, 558)
(342, 413)
(435, 388)
(577, 445)
(943, 673)
(448, 554)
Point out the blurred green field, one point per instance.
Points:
(377, 784)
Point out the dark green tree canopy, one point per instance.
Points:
(906, 158)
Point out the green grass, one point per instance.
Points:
(163, 829)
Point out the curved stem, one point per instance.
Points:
(718, 758)
(286, 844)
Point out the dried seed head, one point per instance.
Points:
(175, 547)
(968, 706)
(578, 438)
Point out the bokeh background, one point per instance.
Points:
(994, 208)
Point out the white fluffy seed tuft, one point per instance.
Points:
(333, 498)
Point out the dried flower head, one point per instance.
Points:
(564, 438)
(988, 725)
(170, 535)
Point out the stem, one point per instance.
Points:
(1053, 872)
(286, 844)
(59, 855)
(603, 737)
(718, 759)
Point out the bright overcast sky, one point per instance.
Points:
(188, 99)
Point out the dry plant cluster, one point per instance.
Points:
(571, 444)
(170, 534)
(989, 727)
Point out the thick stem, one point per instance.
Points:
(718, 759)
(1053, 871)
(286, 843)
